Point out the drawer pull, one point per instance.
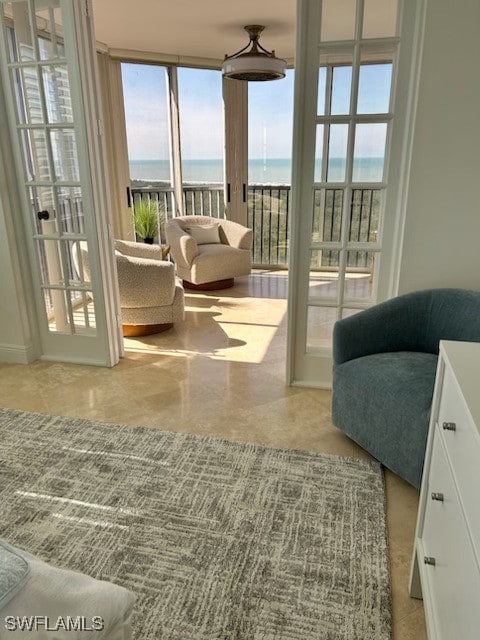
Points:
(449, 426)
(437, 496)
(429, 560)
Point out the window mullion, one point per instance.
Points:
(348, 194)
(326, 126)
(175, 147)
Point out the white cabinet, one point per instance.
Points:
(446, 559)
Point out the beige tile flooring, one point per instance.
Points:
(220, 373)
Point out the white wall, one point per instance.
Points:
(442, 232)
(15, 343)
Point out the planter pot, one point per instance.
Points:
(148, 240)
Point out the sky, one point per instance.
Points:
(270, 112)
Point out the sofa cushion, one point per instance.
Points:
(383, 401)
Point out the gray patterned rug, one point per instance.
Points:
(220, 541)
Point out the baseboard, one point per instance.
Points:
(15, 354)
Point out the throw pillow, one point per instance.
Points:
(205, 233)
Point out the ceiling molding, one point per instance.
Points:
(153, 57)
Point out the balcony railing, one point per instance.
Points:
(268, 217)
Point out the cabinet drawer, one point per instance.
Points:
(463, 449)
(454, 580)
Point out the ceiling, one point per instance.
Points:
(204, 29)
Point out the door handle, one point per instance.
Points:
(43, 215)
(449, 426)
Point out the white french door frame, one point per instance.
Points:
(175, 145)
(106, 346)
(313, 368)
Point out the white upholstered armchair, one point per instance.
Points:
(151, 299)
(209, 253)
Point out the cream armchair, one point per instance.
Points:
(151, 299)
(216, 257)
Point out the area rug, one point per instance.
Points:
(218, 540)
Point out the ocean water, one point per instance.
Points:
(271, 171)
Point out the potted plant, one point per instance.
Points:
(147, 215)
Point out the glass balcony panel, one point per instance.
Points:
(369, 152)
(341, 90)
(338, 20)
(337, 153)
(64, 151)
(57, 94)
(379, 18)
(374, 88)
(320, 321)
(327, 215)
(323, 278)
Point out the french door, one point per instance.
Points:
(350, 134)
(48, 76)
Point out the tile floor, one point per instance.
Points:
(221, 373)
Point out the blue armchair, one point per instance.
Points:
(384, 364)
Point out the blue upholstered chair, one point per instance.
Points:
(384, 363)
